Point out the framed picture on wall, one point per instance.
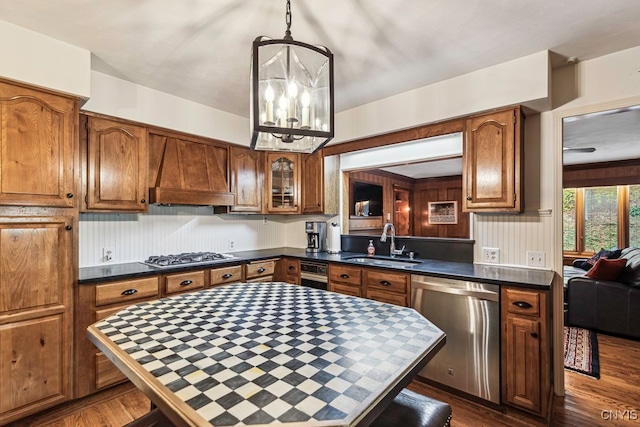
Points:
(443, 212)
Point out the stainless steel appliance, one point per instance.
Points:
(187, 258)
(313, 274)
(316, 236)
(469, 314)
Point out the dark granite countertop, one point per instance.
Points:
(498, 275)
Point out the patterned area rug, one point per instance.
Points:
(581, 351)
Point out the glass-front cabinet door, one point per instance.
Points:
(283, 173)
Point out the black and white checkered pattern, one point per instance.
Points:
(261, 353)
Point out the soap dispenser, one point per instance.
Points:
(371, 250)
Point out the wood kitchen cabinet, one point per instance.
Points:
(95, 302)
(184, 282)
(345, 279)
(526, 349)
(36, 328)
(312, 183)
(224, 275)
(260, 271)
(387, 286)
(283, 182)
(288, 270)
(492, 162)
(38, 142)
(114, 155)
(246, 179)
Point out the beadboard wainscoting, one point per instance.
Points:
(514, 235)
(174, 229)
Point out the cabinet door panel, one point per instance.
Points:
(33, 257)
(31, 363)
(283, 182)
(492, 159)
(117, 166)
(312, 183)
(36, 148)
(523, 363)
(246, 179)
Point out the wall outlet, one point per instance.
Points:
(491, 255)
(535, 258)
(232, 244)
(107, 254)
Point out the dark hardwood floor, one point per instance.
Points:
(617, 391)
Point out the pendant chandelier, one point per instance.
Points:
(291, 94)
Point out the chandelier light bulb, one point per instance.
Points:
(305, 99)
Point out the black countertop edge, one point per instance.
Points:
(498, 275)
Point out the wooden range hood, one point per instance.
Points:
(188, 171)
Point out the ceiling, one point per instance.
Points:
(200, 49)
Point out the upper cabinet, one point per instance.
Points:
(188, 170)
(115, 177)
(283, 182)
(37, 147)
(312, 183)
(492, 162)
(246, 179)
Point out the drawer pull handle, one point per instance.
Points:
(129, 292)
(385, 283)
(69, 195)
(291, 267)
(261, 270)
(227, 276)
(522, 304)
(534, 334)
(186, 282)
(68, 228)
(344, 276)
(468, 197)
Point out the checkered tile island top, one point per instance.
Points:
(273, 353)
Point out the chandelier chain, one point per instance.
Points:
(287, 34)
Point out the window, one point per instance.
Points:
(600, 217)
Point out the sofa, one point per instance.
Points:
(609, 306)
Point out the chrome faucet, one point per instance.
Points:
(392, 246)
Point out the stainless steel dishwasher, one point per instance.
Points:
(469, 313)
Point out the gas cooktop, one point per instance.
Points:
(188, 258)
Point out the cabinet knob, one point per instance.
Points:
(534, 334)
(385, 283)
(468, 197)
(227, 276)
(261, 270)
(291, 267)
(143, 201)
(129, 292)
(186, 282)
(68, 228)
(318, 204)
(344, 276)
(69, 195)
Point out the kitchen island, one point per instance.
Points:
(268, 353)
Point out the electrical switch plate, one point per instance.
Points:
(107, 254)
(535, 258)
(491, 255)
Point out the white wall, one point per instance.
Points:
(120, 98)
(39, 60)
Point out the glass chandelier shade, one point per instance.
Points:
(291, 95)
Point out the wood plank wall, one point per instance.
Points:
(423, 191)
(438, 190)
(626, 172)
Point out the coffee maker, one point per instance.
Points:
(316, 236)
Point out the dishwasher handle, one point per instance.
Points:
(473, 293)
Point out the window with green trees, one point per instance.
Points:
(600, 217)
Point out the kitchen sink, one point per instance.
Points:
(383, 261)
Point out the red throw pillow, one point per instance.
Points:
(607, 269)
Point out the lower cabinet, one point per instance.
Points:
(184, 282)
(224, 275)
(36, 327)
(372, 283)
(260, 271)
(95, 302)
(526, 349)
(287, 270)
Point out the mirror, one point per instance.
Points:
(409, 176)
